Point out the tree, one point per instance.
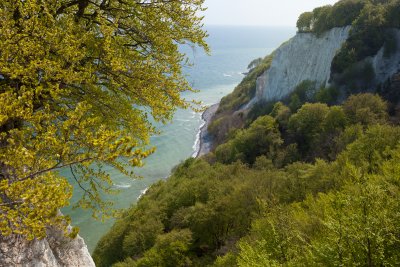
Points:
(327, 95)
(78, 82)
(280, 113)
(254, 63)
(307, 125)
(366, 109)
(304, 23)
(321, 21)
(345, 12)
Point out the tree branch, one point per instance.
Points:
(57, 166)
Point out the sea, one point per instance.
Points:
(214, 75)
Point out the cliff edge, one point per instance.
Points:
(304, 57)
(309, 57)
(55, 250)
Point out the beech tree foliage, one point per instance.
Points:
(79, 80)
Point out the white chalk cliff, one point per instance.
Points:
(385, 67)
(56, 250)
(304, 57)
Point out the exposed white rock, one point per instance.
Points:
(385, 67)
(54, 251)
(304, 57)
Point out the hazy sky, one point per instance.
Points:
(259, 12)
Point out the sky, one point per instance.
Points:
(259, 12)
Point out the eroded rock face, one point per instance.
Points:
(304, 57)
(55, 250)
(387, 66)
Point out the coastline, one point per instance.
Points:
(205, 138)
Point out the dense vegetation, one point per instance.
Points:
(79, 82)
(315, 187)
(360, 13)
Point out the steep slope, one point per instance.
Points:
(309, 57)
(304, 57)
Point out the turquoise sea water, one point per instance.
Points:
(232, 48)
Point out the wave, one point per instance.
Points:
(227, 75)
(196, 146)
(142, 193)
(122, 185)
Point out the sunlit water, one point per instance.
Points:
(215, 76)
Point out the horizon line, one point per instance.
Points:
(250, 25)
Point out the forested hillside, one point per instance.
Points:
(318, 186)
(311, 180)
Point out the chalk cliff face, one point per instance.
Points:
(386, 67)
(304, 57)
(54, 251)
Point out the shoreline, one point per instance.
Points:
(205, 139)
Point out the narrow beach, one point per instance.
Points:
(205, 137)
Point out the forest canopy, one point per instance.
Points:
(350, 12)
(79, 81)
(316, 187)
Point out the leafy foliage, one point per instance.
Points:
(261, 138)
(254, 204)
(354, 225)
(169, 250)
(78, 81)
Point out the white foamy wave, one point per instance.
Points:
(122, 185)
(142, 192)
(227, 75)
(196, 146)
